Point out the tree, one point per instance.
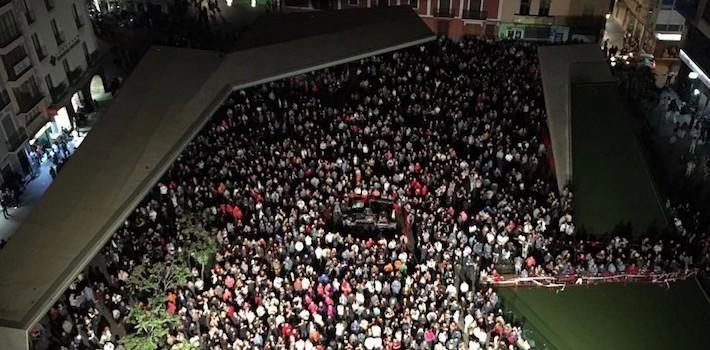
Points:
(158, 278)
(203, 246)
(152, 325)
(151, 320)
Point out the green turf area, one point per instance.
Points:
(611, 182)
(615, 316)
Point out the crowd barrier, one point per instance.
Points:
(563, 281)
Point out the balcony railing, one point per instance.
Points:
(58, 92)
(28, 101)
(19, 68)
(4, 99)
(481, 15)
(74, 75)
(16, 140)
(11, 38)
(79, 22)
(49, 4)
(30, 16)
(531, 19)
(59, 37)
(445, 13)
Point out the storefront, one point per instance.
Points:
(552, 33)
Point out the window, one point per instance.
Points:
(524, 8)
(50, 84)
(27, 95)
(39, 49)
(515, 33)
(9, 126)
(87, 56)
(67, 69)
(29, 14)
(544, 8)
(58, 34)
(8, 28)
(414, 3)
(474, 5)
(16, 62)
(77, 19)
(4, 97)
(353, 2)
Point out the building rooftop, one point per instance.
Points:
(593, 143)
(559, 67)
(161, 107)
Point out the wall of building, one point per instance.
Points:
(72, 49)
(35, 17)
(500, 15)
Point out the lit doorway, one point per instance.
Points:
(97, 89)
(76, 101)
(61, 121)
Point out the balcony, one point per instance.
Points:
(4, 99)
(28, 101)
(445, 13)
(30, 16)
(58, 92)
(531, 19)
(79, 22)
(59, 37)
(11, 38)
(18, 69)
(479, 15)
(74, 76)
(16, 140)
(49, 4)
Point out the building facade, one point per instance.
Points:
(48, 48)
(105, 6)
(693, 76)
(650, 26)
(544, 20)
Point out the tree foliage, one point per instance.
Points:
(152, 325)
(152, 322)
(204, 245)
(158, 278)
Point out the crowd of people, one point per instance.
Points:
(453, 133)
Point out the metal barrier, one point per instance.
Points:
(577, 280)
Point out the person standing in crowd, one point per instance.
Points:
(450, 133)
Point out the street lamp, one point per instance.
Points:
(696, 92)
(693, 75)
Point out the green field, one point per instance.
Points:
(614, 316)
(610, 177)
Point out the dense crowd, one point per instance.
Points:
(451, 132)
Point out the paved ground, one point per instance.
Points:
(634, 316)
(612, 184)
(35, 188)
(670, 149)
